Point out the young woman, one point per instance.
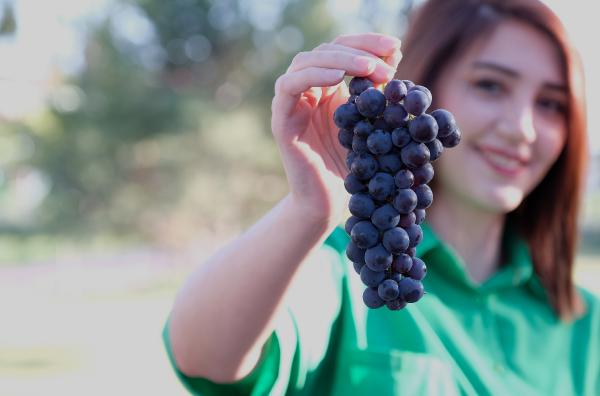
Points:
(280, 311)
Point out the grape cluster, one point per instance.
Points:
(391, 142)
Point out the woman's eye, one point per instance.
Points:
(490, 86)
(554, 106)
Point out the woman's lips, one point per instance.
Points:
(502, 161)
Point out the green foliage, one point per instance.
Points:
(8, 24)
(128, 144)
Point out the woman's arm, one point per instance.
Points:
(226, 310)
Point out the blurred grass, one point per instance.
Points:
(22, 250)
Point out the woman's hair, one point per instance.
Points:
(441, 31)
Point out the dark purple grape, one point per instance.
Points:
(424, 90)
(379, 142)
(445, 121)
(396, 305)
(381, 186)
(350, 223)
(411, 290)
(409, 84)
(395, 115)
(378, 258)
(371, 298)
(404, 178)
(423, 128)
(385, 217)
(380, 123)
(408, 219)
(364, 166)
(418, 269)
(400, 137)
(395, 91)
(359, 144)
(358, 84)
(389, 163)
(414, 155)
(395, 240)
(452, 139)
(345, 138)
(357, 267)
(364, 234)
(436, 148)
(394, 275)
(416, 102)
(354, 253)
(402, 263)
(405, 200)
(371, 278)
(354, 185)
(419, 216)
(370, 103)
(388, 290)
(363, 128)
(362, 205)
(423, 174)
(346, 116)
(415, 235)
(424, 196)
(349, 158)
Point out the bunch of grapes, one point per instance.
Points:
(392, 142)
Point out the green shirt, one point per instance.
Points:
(500, 337)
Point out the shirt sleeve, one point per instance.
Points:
(271, 372)
(301, 336)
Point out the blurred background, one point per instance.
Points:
(134, 141)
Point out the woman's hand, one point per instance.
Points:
(302, 116)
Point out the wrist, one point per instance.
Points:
(317, 221)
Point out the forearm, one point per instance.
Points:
(226, 310)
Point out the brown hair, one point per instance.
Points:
(442, 30)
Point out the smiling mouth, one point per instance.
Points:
(506, 164)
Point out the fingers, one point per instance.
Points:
(338, 47)
(291, 85)
(371, 55)
(352, 64)
(378, 44)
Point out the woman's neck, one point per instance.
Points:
(475, 234)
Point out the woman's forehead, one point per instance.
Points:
(519, 49)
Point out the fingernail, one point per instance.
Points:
(391, 74)
(336, 73)
(363, 63)
(390, 42)
(397, 57)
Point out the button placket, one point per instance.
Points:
(499, 362)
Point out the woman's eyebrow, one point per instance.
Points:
(561, 88)
(497, 67)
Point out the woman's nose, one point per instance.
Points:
(517, 123)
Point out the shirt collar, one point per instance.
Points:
(515, 271)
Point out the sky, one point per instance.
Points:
(29, 65)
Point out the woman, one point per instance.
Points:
(279, 311)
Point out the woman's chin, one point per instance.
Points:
(503, 200)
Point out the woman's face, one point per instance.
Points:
(508, 96)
